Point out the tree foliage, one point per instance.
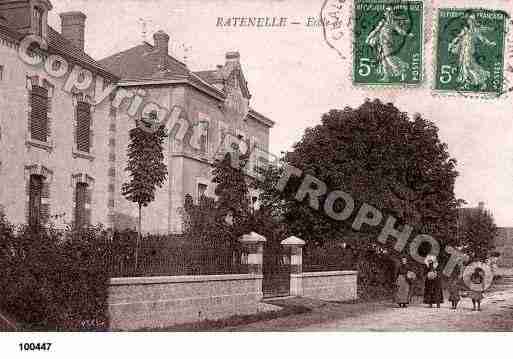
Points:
(232, 189)
(145, 165)
(379, 156)
(477, 234)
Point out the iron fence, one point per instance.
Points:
(170, 258)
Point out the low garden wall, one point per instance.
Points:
(157, 302)
(335, 285)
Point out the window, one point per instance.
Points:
(39, 114)
(83, 135)
(1, 72)
(202, 190)
(38, 21)
(204, 140)
(81, 198)
(35, 200)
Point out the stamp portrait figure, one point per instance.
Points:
(381, 38)
(464, 45)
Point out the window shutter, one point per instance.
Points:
(35, 203)
(39, 114)
(87, 217)
(83, 134)
(45, 213)
(80, 204)
(45, 190)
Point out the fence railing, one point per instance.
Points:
(168, 258)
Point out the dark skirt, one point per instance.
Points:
(433, 293)
(402, 295)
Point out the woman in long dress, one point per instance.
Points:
(402, 282)
(433, 293)
(464, 45)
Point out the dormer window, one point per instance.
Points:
(38, 21)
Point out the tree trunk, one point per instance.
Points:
(139, 235)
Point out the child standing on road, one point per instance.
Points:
(476, 294)
(454, 292)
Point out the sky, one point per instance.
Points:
(295, 77)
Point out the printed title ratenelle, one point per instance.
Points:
(242, 21)
(265, 21)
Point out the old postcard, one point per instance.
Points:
(266, 165)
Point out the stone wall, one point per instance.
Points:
(337, 285)
(156, 302)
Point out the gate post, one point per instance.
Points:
(253, 245)
(296, 264)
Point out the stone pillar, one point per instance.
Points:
(253, 245)
(296, 264)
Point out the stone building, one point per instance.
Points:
(215, 102)
(65, 120)
(504, 246)
(55, 138)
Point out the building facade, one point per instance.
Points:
(65, 121)
(214, 103)
(54, 137)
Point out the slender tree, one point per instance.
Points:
(146, 167)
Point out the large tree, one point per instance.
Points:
(476, 233)
(232, 188)
(145, 165)
(380, 156)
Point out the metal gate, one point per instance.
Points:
(276, 270)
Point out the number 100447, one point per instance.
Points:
(26, 347)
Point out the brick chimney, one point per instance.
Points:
(161, 40)
(232, 63)
(232, 58)
(73, 27)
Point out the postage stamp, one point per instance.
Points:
(470, 51)
(388, 42)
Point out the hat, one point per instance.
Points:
(431, 258)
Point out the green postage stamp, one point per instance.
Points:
(388, 38)
(470, 50)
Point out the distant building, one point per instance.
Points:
(504, 246)
(503, 241)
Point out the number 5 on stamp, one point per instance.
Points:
(470, 51)
(388, 42)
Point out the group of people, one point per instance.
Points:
(433, 289)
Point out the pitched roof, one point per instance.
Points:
(216, 76)
(210, 76)
(142, 62)
(142, 65)
(59, 45)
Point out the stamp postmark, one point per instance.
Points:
(469, 51)
(388, 42)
